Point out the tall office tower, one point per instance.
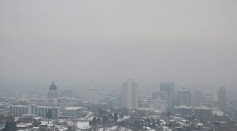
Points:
(184, 98)
(92, 95)
(129, 94)
(154, 95)
(222, 99)
(198, 97)
(168, 89)
(53, 94)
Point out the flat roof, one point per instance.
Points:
(72, 108)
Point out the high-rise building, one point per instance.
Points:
(129, 94)
(198, 97)
(53, 94)
(92, 95)
(168, 89)
(155, 95)
(184, 98)
(222, 98)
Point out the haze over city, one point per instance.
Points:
(129, 65)
(80, 44)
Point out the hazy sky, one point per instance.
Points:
(102, 43)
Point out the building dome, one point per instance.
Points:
(53, 86)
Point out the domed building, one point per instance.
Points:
(53, 94)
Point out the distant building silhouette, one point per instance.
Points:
(53, 94)
(184, 98)
(92, 95)
(222, 99)
(198, 97)
(66, 93)
(168, 89)
(155, 95)
(129, 94)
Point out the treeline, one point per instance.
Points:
(105, 119)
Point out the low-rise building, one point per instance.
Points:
(43, 111)
(183, 110)
(17, 110)
(74, 112)
(203, 113)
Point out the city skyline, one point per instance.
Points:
(118, 65)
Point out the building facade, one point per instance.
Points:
(184, 98)
(74, 112)
(43, 111)
(92, 95)
(222, 99)
(129, 94)
(168, 89)
(53, 94)
(203, 113)
(17, 110)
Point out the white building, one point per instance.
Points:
(18, 110)
(43, 111)
(183, 110)
(129, 94)
(74, 112)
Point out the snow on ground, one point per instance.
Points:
(114, 128)
(83, 125)
(124, 118)
(89, 116)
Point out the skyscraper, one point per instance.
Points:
(198, 97)
(222, 98)
(129, 94)
(168, 88)
(92, 95)
(184, 98)
(53, 94)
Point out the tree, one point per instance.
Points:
(10, 126)
(148, 121)
(153, 125)
(98, 121)
(158, 122)
(25, 120)
(71, 128)
(121, 115)
(168, 114)
(93, 122)
(101, 112)
(2, 119)
(36, 123)
(115, 117)
(110, 116)
(105, 119)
